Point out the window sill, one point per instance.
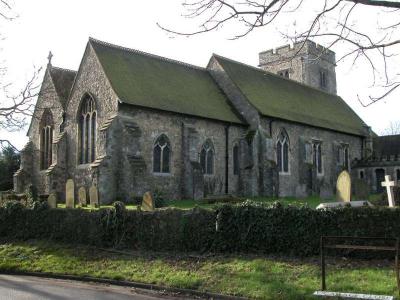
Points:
(83, 166)
(284, 173)
(162, 174)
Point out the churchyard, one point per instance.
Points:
(258, 248)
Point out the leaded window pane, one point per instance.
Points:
(279, 156)
(285, 157)
(210, 161)
(319, 158)
(203, 159)
(235, 160)
(157, 159)
(94, 125)
(165, 159)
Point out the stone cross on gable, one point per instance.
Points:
(389, 189)
(50, 57)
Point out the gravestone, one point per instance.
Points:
(389, 189)
(52, 200)
(82, 200)
(69, 194)
(343, 187)
(94, 196)
(361, 189)
(148, 202)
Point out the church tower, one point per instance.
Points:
(308, 63)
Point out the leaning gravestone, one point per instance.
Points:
(52, 200)
(343, 187)
(94, 196)
(82, 196)
(69, 194)
(148, 202)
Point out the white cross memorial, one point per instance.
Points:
(389, 189)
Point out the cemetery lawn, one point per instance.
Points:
(312, 202)
(256, 277)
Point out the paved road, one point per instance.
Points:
(34, 288)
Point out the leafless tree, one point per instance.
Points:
(392, 129)
(15, 108)
(332, 21)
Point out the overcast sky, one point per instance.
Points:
(65, 26)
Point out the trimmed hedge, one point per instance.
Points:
(247, 228)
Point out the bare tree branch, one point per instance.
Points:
(334, 21)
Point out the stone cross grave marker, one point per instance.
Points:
(389, 189)
(148, 202)
(94, 196)
(70, 194)
(343, 187)
(52, 200)
(82, 200)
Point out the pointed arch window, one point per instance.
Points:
(207, 158)
(46, 140)
(87, 130)
(161, 155)
(282, 152)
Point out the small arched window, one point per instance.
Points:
(236, 160)
(87, 130)
(207, 158)
(161, 155)
(282, 152)
(46, 140)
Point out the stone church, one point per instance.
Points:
(130, 122)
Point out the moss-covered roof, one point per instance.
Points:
(277, 97)
(63, 80)
(386, 145)
(150, 81)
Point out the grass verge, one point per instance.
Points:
(255, 277)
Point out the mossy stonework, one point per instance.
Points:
(184, 131)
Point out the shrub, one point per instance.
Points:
(247, 228)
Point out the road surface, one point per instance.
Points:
(34, 288)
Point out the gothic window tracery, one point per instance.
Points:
(87, 130)
(161, 155)
(282, 152)
(207, 158)
(46, 140)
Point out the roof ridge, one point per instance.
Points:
(63, 69)
(275, 75)
(162, 58)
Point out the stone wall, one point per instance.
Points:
(302, 179)
(140, 128)
(48, 100)
(90, 80)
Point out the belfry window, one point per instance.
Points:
(87, 130)
(282, 152)
(161, 155)
(207, 157)
(317, 157)
(46, 140)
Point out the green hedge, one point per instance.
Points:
(246, 228)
